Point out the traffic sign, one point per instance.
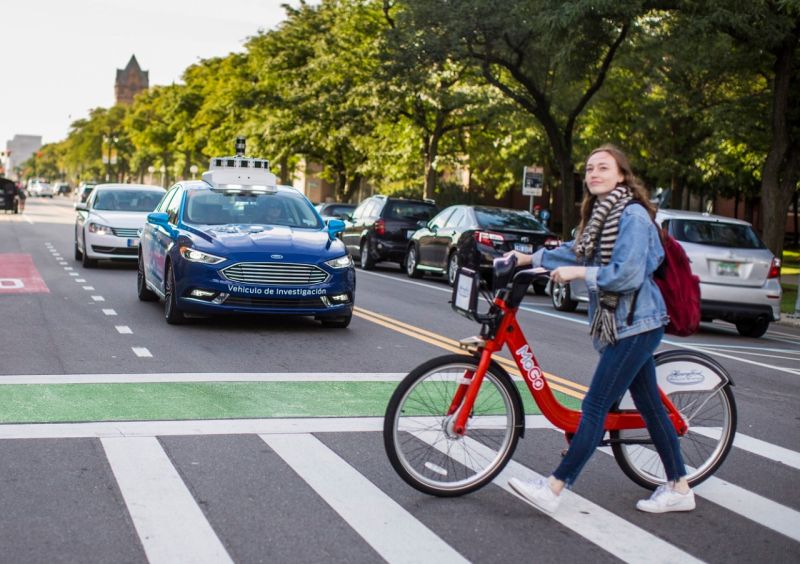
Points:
(532, 180)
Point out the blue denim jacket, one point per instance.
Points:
(636, 255)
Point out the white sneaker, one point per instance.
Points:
(666, 499)
(538, 492)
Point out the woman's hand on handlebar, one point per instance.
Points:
(523, 259)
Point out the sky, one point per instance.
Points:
(60, 57)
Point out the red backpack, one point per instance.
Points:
(679, 287)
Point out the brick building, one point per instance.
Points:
(130, 81)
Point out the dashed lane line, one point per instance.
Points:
(142, 352)
(123, 330)
(109, 312)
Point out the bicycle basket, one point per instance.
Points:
(465, 292)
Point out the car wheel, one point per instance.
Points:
(412, 263)
(561, 298)
(336, 322)
(172, 313)
(145, 294)
(78, 254)
(753, 327)
(366, 261)
(452, 268)
(86, 261)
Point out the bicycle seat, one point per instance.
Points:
(503, 269)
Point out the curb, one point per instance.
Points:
(789, 319)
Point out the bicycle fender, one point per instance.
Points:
(684, 371)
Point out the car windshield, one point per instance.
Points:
(336, 210)
(716, 234)
(217, 208)
(414, 211)
(127, 200)
(499, 218)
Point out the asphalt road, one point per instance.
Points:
(257, 440)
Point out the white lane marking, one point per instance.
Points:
(749, 505)
(98, 298)
(759, 447)
(62, 263)
(77, 279)
(743, 348)
(28, 219)
(123, 329)
(109, 312)
(68, 268)
(171, 526)
(610, 532)
(183, 428)
(88, 287)
(202, 377)
(142, 352)
(380, 520)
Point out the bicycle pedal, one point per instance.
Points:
(472, 344)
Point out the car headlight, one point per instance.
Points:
(194, 255)
(100, 229)
(341, 262)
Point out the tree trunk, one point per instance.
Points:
(284, 166)
(340, 187)
(431, 149)
(352, 186)
(781, 170)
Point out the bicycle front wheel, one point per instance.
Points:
(418, 436)
(710, 414)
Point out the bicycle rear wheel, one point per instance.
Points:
(417, 431)
(710, 414)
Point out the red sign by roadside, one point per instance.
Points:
(18, 275)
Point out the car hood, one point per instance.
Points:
(258, 239)
(119, 218)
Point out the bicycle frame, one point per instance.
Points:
(509, 333)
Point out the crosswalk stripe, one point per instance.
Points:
(171, 526)
(759, 447)
(610, 532)
(749, 505)
(381, 521)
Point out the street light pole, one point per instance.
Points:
(193, 170)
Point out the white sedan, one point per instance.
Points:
(108, 225)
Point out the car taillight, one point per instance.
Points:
(380, 227)
(775, 268)
(552, 242)
(487, 237)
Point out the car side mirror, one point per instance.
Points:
(335, 226)
(81, 207)
(158, 218)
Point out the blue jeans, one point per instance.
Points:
(626, 365)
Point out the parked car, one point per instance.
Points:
(335, 210)
(381, 226)
(739, 275)
(9, 196)
(216, 248)
(108, 225)
(473, 236)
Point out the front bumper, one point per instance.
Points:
(111, 247)
(332, 298)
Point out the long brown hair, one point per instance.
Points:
(638, 190)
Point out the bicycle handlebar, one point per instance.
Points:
(504, 273)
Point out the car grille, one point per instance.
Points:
(120, 251)
(306, 303)
(275, 273)
(125, 231)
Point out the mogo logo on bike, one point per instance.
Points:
(532, 372)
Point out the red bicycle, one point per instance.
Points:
(453, 422)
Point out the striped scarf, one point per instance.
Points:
(603, 228)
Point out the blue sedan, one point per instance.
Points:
(213, 248)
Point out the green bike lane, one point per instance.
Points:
(286, 396)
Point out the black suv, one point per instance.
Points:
(381, 226)
(9, 196)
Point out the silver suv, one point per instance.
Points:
(739, 275)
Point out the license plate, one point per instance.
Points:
(133, 242)
(523, 247)
(728, 269)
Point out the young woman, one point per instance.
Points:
(616, 251)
